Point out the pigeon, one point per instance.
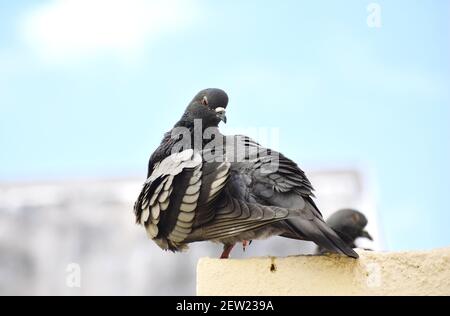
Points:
(349, 224)
(205, 186)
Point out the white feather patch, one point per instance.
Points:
(191, 198)
(144, 215)
(152, 230)
(188, 207)
(164, 205)
(163, 196)
(155, 211)
(193, 189)
(183, 224)
(186, 217)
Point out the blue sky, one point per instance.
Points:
(88, 87)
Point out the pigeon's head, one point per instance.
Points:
(208, 105)
(349, 224)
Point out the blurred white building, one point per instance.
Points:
(47, 226)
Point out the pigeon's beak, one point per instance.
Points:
(220, 112)
(365, 234)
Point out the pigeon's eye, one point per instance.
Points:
(205, 100)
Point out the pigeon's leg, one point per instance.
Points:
(226, 251)
(246, 243)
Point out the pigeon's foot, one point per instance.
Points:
(245, 244)
(226, 251)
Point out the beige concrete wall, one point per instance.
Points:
(375, 273)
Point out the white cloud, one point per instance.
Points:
(71, 29)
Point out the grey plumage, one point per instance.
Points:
(349, 224)
(235, 191)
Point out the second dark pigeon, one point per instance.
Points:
(349, 224)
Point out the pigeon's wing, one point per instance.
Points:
(268, 178)
(272, 178)
(186, 199)
(223, 210)
(236, 218)
(348, 224)
(169, 198)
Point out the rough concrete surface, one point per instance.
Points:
(374, 273)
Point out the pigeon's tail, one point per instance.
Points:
(317, 231)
